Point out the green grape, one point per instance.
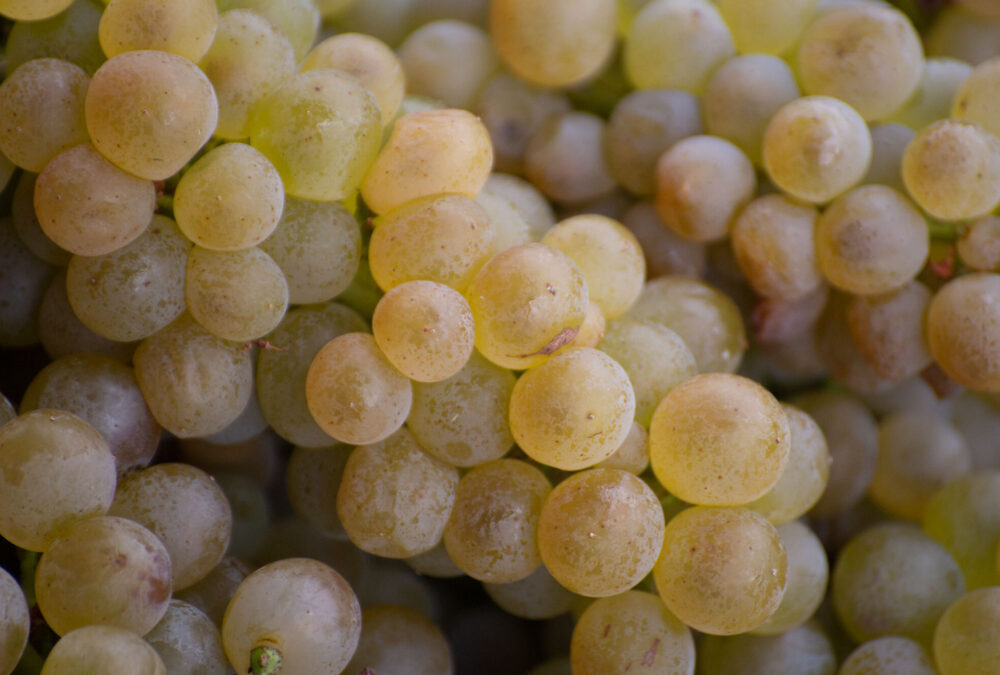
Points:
(871, 240)
(702, 182)
(62, 334)
(632, 455)
(889, 142)
(281, 373)
(394, 500)
(55, 470)
(774, 245)
(868, 56)
(979, 245)
(961, 329)
(248, 425)
(591, 330)
(230, 199)
(565, 158)
(676, 44)
(298, 20)
(838, 353)
(475, 12)
(248, 58)
(29, 230)
(642, 126)
(965, 640)
(572, 411)
(90, 207)
(491, 533)
(434, 563)
(185, 28)
(443, 238)
(188, 641)
(133, 292)
(103, 650)
(952, 170)
(525, 198)
(977, 418)
(654, 357)
(70, 36)
(134, 118)
(527, 302)
(808, 571)
(425, 329)
(212, 594)
(104, 570)
(235, 295)
(719, 439)
(325, 166)
(976, 98)
(387, 20)
(745, 92)
(963, 516)
(354, 393)
(805, 650)
(194, 382)
(600, 532)
(184, 507)
(554, 44)
(816, 148)
(509, 228)
(941, 80)
(14, 622)
(633, 628)
(893, 579)
(537, 596)
(103, 392)
(368, 59)
(399, 638)
(959, 35)
(449, 61)
(512, 111)
(298, 608)
(609, 257)
(767, 27)
(41, 111)
(312, 479)
(705, 318)
(888, 656)
(722, 570)
(665, 252)
(32, 10)
(429, 153)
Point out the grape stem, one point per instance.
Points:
(265, 660)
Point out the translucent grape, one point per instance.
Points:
(961, 325)
(435, 563)
(889, 142)
(959, 35)
(978, 96)
(188, 641)
(840, 356)
(103, 650)
(665, 252)
(526, 199)
(632, 455)
(965, 641)
(70, 35)
(964, 518)
(805, 650)
(565, 158)
(888, 656)
(932, 102)
(393, 636)
(537, 596)
(808, 571)
(185, 28)
(32, 10)
(298, 20)
(766, 27)
(449, 61)
(212, 594)
(509, 228)
(62, 333)
(979, 244)
(14, 622)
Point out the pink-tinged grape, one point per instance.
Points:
(966, 638)
(103, 650)
(961, 330)
(184, 27)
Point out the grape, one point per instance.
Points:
(394, 500)
(14, 622)
(188, 641)
(665, 252)
(600, 532)
(888, 656)
(354, 393)
(23, 278)
(807, 575)
(766, 27)
(252, 526)
(71, 36)
(41, 111)
(871, 240)
(133, 114)
(312, 479)
(722, 570)
(591, 330)
(565, 158)
(868, 56)
(62, 334)
(959, 35)
(298, 20)
(103, 650)
(979, 244)
(537, 596)
(526, 199)
(841, 357)
(388, 20)
(185, 28)
(212, 594)
(642, 126)
(299, 608)
(633, 628)
(509, 228)
(554, 44)
(491, 532)
(55, 469)
(449, 61)
(719, 439)
(7, 410)
(398, 638)
(871, 603)
(104, 570)
(88, 206)
(963, 516)
(428, 153)
(965, 640)
(32, 10)
(435, 563)
(952, 170)
(805, 650)
(889, 142)
(370, 60)
(425, 329)
(932, 102)
(816, 148)
(632, 455)
(676, 44)
(976, 98)
(961, 325)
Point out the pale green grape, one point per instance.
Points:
(565, 158)
(395, 638)
(133, 114)
(212, 594)
(62, 333)
(600, 532)
(964, 518)
(628, 629)
(14, 622)
(509, 228)
(32, 10)
(719, 439)
(185, 28)
(676, 44)
(941, 80)
(103, 650)
(978, 96)
(435, 563)
(449, 61)
(554, 44)
(722, 570)
(805, 650)
(388, 20)
(268, 610)
(961, 328)
(71, 36)
(979, 245)
(888, 656)
(188, 641)
(591, 330)
(525, 198)
(312, 479)
(23, 279)
(247, 59)
(104, 570)
(632, 455)
(808, 571)
(889, 142)
(537, 596)
(957, 34)
(665, 252)
(90, 207)
(764, 26)
(966, 639)
(56, 470)
(394, 500)
(297, 19)
(354, 393)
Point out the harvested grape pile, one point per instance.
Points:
(500, 337)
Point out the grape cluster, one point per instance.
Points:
(499, 336)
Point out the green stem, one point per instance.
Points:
(265, 660)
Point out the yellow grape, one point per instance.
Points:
(182, 27)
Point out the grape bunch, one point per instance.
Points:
(499, 336)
